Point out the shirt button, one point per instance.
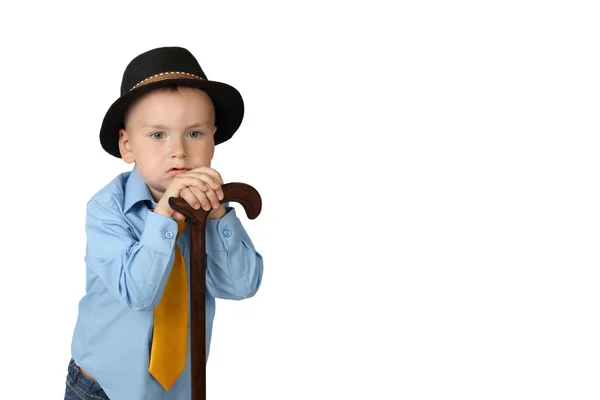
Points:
(227, 232)
(169, 234)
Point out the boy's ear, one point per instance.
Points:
(125, 146)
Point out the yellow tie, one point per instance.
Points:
(169, 341)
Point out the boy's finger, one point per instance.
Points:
(211, 172)
(211, 182)
(190, 197)
(205, 178)
(189, 180)
(213, 198)
(178, 217)
(218, 192)
(201, 198)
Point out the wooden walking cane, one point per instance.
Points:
(250, 199)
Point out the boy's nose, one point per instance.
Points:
(177, 149)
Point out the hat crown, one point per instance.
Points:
(157, 61)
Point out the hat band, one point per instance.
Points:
(166, 75)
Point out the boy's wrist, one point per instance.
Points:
(218, 213)
(159, 210)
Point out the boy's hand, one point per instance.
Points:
(199, 187)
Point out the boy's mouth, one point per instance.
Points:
(175, 171)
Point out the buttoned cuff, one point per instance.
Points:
(160, 233)
(225, 232)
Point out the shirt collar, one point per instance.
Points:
(136, 190)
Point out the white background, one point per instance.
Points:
(429, 174)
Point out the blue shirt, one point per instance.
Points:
(129, 255)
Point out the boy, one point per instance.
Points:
(131, 339)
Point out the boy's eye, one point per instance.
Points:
(157, 135)
(195, 134)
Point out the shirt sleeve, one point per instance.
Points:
(134, 271)
(234, 268)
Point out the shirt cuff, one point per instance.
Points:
(160, 233)
(225, 232)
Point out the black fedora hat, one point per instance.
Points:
(167, 66)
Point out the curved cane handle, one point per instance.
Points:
(243, 193)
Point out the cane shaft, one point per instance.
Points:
(198, 309)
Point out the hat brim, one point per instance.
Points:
(228, 103)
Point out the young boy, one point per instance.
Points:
(131, 339)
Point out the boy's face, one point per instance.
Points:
(167, 129)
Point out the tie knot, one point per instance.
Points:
(181, 227)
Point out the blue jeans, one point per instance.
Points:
(80, 387)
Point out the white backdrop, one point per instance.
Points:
(429, 174)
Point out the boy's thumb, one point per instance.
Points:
(178, 217)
